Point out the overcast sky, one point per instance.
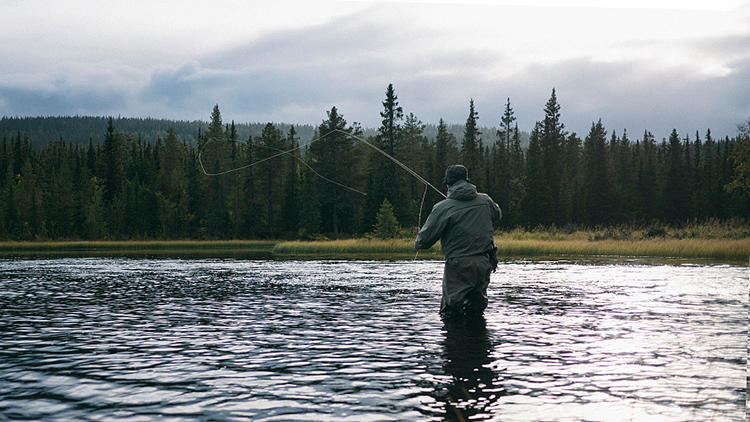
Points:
(636, 64)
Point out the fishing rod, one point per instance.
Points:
(390, 157)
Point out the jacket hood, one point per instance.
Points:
(462, 191)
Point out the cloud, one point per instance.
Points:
(347, 63)
(295, 75)
(627, 98)
(63, 99)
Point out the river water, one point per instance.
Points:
(140, 339)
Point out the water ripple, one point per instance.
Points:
(91, 339)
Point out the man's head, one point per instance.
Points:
(454, 173)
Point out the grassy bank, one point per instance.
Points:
(735, 251)
(139, 248)
(354, 248)
(724, 242)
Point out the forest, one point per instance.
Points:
(317, 182)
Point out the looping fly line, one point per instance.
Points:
(315, 172)
(287, 152)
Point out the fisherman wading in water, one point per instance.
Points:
(464, 223)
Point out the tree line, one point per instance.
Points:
(333, 185)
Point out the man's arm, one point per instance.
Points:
(431, 230)
(497, 213)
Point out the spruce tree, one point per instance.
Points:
(290, 211)
(644, 206)
(332, 158)
(252, 221)
(114, 157)
(411, 149)
(309, 213)
(740, 181)
(384, 183)
(216, 156)
(596, 178)
(386, 226)
(271, 142)
(536, 196)
(675, 191)
(517, 191)
(505, 133)
(472, 143)
(571, 188)
(172, 187)
(501, 161)
(551, 140)
(446, 147)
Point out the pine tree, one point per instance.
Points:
(740, 157)
(625, 179)
(536, 196)
(675, 192)
(551, 140)
(571, 190)
(172, 188)
(271, 142)
(446, 146)
(216, 154)
(501, 161)
(309, 213)
(384, 182)
(411, 150)
(518, 179)
(472, 143)
(386, 226)
(505, 133)
(251, 221)
(544, 167)
(646, 178)
(114, 166)
(333, 157)
(596, 178)
(290, 212)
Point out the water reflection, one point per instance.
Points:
(466, 354)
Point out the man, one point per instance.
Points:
(464, 223)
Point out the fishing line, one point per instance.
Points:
(408, 170)
(313, 170)
(400, 164)
(200, 159)
(359, 138)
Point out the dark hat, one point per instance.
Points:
(454, 173)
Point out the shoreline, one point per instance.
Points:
(729, 251)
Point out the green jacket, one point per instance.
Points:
(464, 222)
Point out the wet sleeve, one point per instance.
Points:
(431, 230)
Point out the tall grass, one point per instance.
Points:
(720, 240)
(146, 245)
(723, 241)
(734, 250)
(711, 229)
(357, 248)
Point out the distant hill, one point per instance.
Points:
(82, 129)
